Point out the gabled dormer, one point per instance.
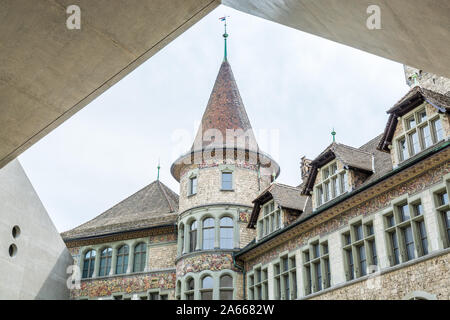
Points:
(419, 121)
(276, 207)
(336, 171)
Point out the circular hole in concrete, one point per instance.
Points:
(15, 232)
(12, 250)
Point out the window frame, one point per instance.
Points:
(334, 183)
(357, 261)
(418, 128)
(396, 234)
(142, 255)
(316, 268)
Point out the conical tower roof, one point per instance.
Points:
(225, 122)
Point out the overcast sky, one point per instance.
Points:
(294, 85)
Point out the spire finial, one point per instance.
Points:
(159, 167)
(333, 133)
(225, 36)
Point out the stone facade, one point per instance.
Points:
(429, 275)
(427, 80)
(246, 185)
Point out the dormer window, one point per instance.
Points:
(271, 219)
(333, 184)
(420, 133)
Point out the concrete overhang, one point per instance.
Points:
(48, 73)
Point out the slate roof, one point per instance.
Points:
(359, 159)
(285, 196)
(225, 111)
(154, 205)
(415, 97)
(225, 125)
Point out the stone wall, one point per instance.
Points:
(162, 256)
(209, 185)
(127, 284)
(427, 80)
(431, 276)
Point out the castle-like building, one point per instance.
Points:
(368, 222)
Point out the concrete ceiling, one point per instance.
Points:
(48, 73)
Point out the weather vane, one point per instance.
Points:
(225, 35)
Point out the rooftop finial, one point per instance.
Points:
(333, 133)
(225, 36)
(159, 167)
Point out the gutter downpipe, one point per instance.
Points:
(243, 275)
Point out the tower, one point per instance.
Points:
(220, 176)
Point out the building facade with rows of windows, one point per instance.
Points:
(369, 222)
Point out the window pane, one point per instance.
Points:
(443, 198)
(193, 185)
(409, 242)
(410, 122)
(362, 261)
(226, 281)
(226, 294)
(208, 233)
(447, 224)
(414, 141)
(404, 212)
(437, 127)
(318, 276)
(395, 248)
(418, 209)
(403, 149)
(423, 237)
(227, 180)
(207, 283)
(427, 140)
(422, 116)
(358, 232)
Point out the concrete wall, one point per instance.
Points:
(38, 268)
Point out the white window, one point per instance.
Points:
(406, 232)
(227, 180)
(360, 250)
(333, 184)
(316, 267)
(192, 185)
(271, 219)
(420, 133)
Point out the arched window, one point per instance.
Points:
(105, 262)
(208, 233)
(88, 264)
(190, 287)
(226, 233)
(226, 287)
(122, 259)
(207, 288)
(139, 257)
(193, 236)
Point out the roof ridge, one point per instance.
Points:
(286, 185)
(165, 195)
(353, 148)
